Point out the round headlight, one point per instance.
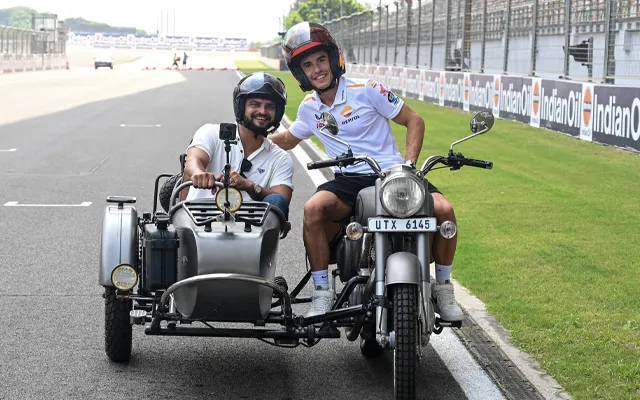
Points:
(235, 199)
(124, 277)
(402, 194)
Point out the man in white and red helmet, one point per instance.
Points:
(363, 109)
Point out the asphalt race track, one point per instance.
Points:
(69, 139)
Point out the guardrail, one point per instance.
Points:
(29, 41)
(600, 113)
(10, 63)
(508, 37)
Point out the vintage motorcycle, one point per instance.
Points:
(179, 266)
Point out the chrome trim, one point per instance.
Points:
(155, 324)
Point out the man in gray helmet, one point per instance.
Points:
(259, 169)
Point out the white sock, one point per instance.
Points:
(321, 278)
(443, 273)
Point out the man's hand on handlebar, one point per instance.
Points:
(206, 180)
(203, 180)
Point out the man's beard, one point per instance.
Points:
(258, 130)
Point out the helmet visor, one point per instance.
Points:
(303, 37)
(259, 84)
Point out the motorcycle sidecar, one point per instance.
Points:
(248, 248)
(213, 270)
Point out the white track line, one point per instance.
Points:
(16, 204)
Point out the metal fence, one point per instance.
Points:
(516, 37)
(29, 41)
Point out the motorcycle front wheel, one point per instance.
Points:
(117, 329)
(405, 315)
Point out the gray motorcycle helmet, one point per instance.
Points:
(262, 85)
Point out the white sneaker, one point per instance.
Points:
(446, 304)
(321, 302)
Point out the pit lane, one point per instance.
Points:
(73, 149)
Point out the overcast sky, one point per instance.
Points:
(252, 19)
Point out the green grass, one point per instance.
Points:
(250, 66)
(549, 240)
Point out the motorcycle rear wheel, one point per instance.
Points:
(405, 359)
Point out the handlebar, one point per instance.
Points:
(331, 163)
(178, 189)
(344, 161)
(453, 161)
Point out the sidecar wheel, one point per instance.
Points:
(370, 348)
(405, 352)
(117, 328)
(164, 194)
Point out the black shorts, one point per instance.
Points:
(347, 186)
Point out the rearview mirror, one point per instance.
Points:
(329, 123)
(482, 122)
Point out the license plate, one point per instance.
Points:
(379, 224)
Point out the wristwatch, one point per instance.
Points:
(257, 188)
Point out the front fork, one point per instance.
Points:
(427, 315)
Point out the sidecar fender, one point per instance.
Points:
(402, 267)
(119, 241)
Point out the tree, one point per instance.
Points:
(17, 17)
(321, 10)
(292, 18)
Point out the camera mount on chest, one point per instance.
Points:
(228, 135)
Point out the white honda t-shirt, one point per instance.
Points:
(271, 165)
(363, 109)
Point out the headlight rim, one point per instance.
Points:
(135, 281)
(402, 174)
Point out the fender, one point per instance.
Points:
(119, 241)
(402, 267)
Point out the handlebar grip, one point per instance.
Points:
(478, 163)
(321, 164)
(330, 163)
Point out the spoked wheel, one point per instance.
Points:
(405, 315)
(117, 328)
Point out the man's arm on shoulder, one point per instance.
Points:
(415, 131)
(285, 140)
(298, 131)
